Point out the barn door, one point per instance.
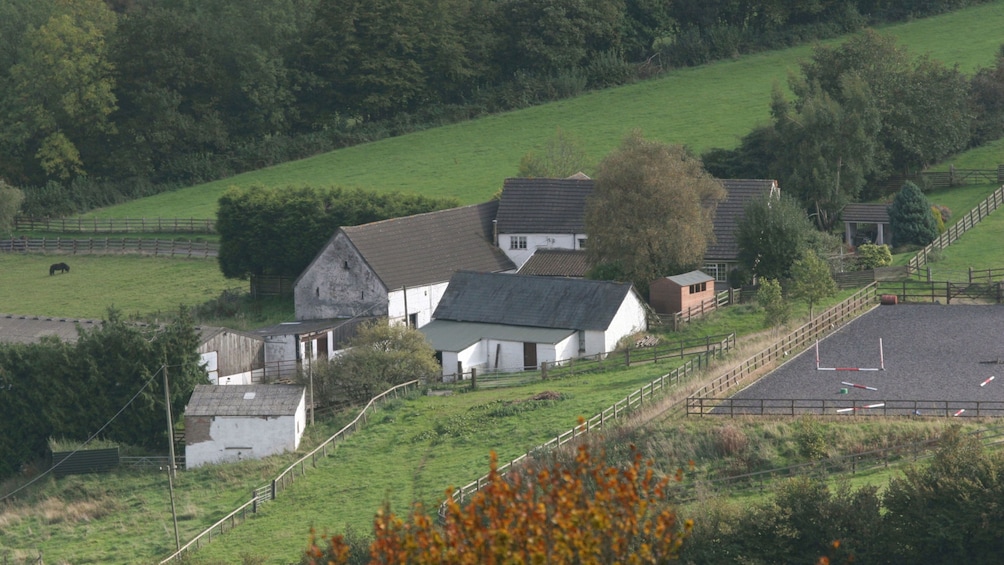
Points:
(529, 356)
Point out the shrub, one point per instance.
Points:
(871, 256)
(777, 310)
(939, 221)
(910, 217)
(582, 512)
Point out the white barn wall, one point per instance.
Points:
(510, 355)
(567, 348)
(238, 437)
(630, 318)
(421, 300)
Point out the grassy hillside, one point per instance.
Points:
(708, 106)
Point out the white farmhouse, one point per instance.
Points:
(231, 423)
(541, 213)
(509, 322)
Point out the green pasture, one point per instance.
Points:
(702, 107)
(137, 286)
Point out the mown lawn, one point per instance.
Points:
(702, 107)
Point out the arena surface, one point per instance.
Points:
(936, 358)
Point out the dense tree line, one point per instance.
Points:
(273, 231)
(862, 111)
(114, 99)
(945, 511)
(55, 389)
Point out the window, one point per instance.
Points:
(582, 243)
(700, 287)
(720, 271)
(517, 242)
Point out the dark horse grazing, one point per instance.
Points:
(61, 267)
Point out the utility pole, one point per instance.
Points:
(170, 464)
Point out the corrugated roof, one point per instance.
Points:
(866, 213)
(693, 277)
(538, 205)
(428, 248)
(523, 300)
(447, 335)
(556, 263)
(730, 212)
(244, 400)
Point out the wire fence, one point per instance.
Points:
(733, 407)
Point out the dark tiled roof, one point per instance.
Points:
(244, 400)
(556, 263)
(866, 213)
(538, 205)
(429, 248)
(522, 300)
(730, 211)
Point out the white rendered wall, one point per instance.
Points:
(630, 318)
(235, 379)
(236, 437)
(567, 348)
(421, 300)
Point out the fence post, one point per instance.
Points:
(474, 378)
(543, 370)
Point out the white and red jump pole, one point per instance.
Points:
(865, 407)
(881, 366)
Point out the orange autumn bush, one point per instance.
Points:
(584, 513)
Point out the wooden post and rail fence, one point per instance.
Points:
(117, 225)
(270, 491)
(111, 245)
(953, 233)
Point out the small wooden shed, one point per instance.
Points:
(670, 295)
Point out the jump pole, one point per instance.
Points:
(984, 383)
(881, 366)
(859, 386)
(880, 405)
(959, 413)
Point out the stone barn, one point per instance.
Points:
(671, 295)
(231, 423)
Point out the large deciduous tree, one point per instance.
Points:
(61, 90)
(651, 212)
(826, 147)
(773, 234)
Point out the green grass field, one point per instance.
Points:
(135, 285)
(702, 107)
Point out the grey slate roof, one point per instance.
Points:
(693, 277)
(537, 205)
(447, 335)
(866, 213)
(244, 400)
(730, 211)
(428, 248)
(524, 300)
(31, 329)
(556, 263)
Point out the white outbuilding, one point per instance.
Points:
(231, 423)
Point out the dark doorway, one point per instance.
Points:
(529, 356)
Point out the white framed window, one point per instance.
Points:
(517, 242)
(720, 271)
(582, 243)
